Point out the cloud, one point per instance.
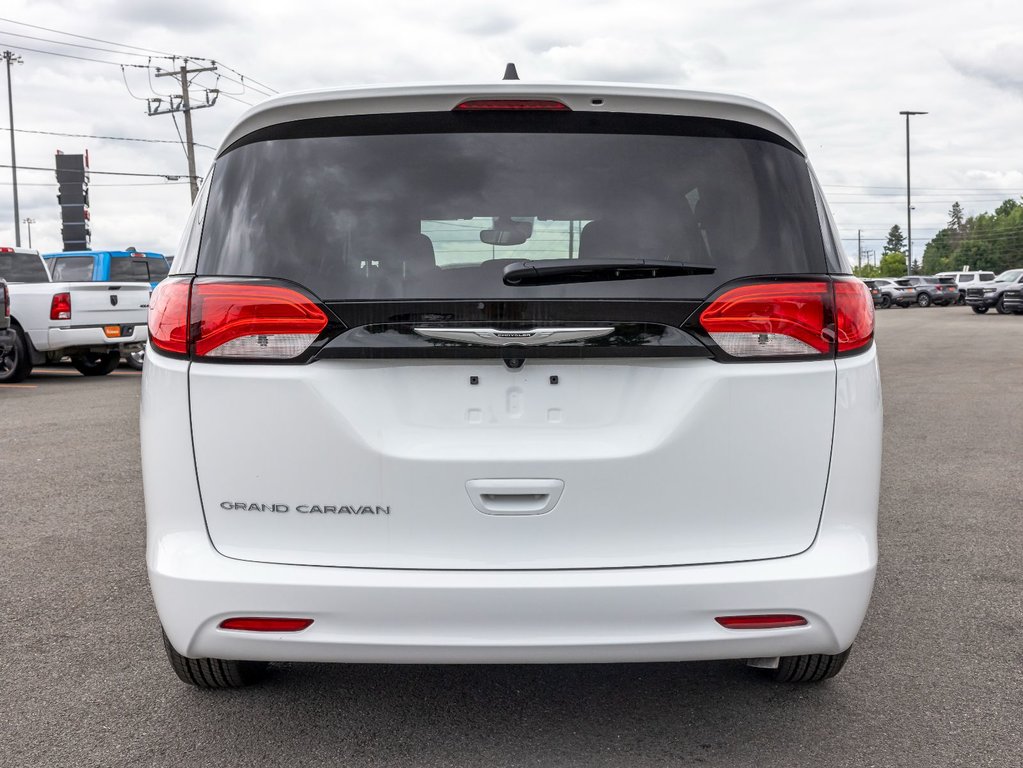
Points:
(999, 65)
(618, 60)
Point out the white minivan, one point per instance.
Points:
(510, 372)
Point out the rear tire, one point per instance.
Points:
(214, 673)
(16, 365)
(980, 310)
(96, 363)
(923, 300)
(136, 358)
(886, 301)
(809, 669)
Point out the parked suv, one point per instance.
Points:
(927, 290)
(883, 291)
(510, 373)
(965, 279)
(983, 296)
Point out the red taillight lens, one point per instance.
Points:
(241, 319)
(791, 319)
(60, 306)
(543, 105)
(771, 320)
(168, 316)
(265, 624)
(762, 621)
(854, 315)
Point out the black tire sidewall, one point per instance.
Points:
(23, 362)
(107, 362)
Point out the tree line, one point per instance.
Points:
(989, 241)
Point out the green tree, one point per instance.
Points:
(893, 264)
(867, 270)
(956, 218)
(896, 241)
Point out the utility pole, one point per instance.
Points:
(29, 222)
(909, 207)
(183, 103)
(11, 58)
(859, 248)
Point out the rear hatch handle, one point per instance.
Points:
(507, 496)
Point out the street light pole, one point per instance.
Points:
(11, 58)
(28, 223)
(909, 209)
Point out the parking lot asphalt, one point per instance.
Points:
(934, 679)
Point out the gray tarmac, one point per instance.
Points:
(934, 679)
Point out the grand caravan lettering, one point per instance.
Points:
(309, 509)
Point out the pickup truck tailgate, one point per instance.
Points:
(95, 304)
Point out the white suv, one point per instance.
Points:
(510, 373)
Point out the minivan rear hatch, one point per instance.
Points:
(446, 418)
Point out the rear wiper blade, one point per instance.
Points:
(556, 271)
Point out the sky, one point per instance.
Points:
(839, 71)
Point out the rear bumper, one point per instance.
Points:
(537, 616)
(634, 614)
(64, 338)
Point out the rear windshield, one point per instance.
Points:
(438, 214)
(72, 268)
(23, 268)
(134, 268)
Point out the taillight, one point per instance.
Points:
(244, 319)
(233, 319)
(60, 306)
(542, 105)
(854, 315)
(168, 316)
(790, 319)
(771, 320)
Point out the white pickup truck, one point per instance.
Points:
(88, 322)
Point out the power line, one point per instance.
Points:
(112, 184)
(107, 138)
(79, 58)
(84, 37)
(169, 176)
(79, 45)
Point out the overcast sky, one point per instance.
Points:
(839, 71)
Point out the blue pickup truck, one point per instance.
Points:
(105, 266)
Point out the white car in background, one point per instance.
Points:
(965, 279)
(510, 373)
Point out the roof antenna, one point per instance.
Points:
(510, 73)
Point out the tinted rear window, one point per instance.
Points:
(23, 268)
(406, 215)
(72, 268)
(136, 269)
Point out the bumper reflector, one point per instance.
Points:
(762, 621)
(265, 624)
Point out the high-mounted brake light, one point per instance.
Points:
(265, 624)
(791, 319)
(542, 105)
(6, 250)
(60, 306)
(762, 621)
